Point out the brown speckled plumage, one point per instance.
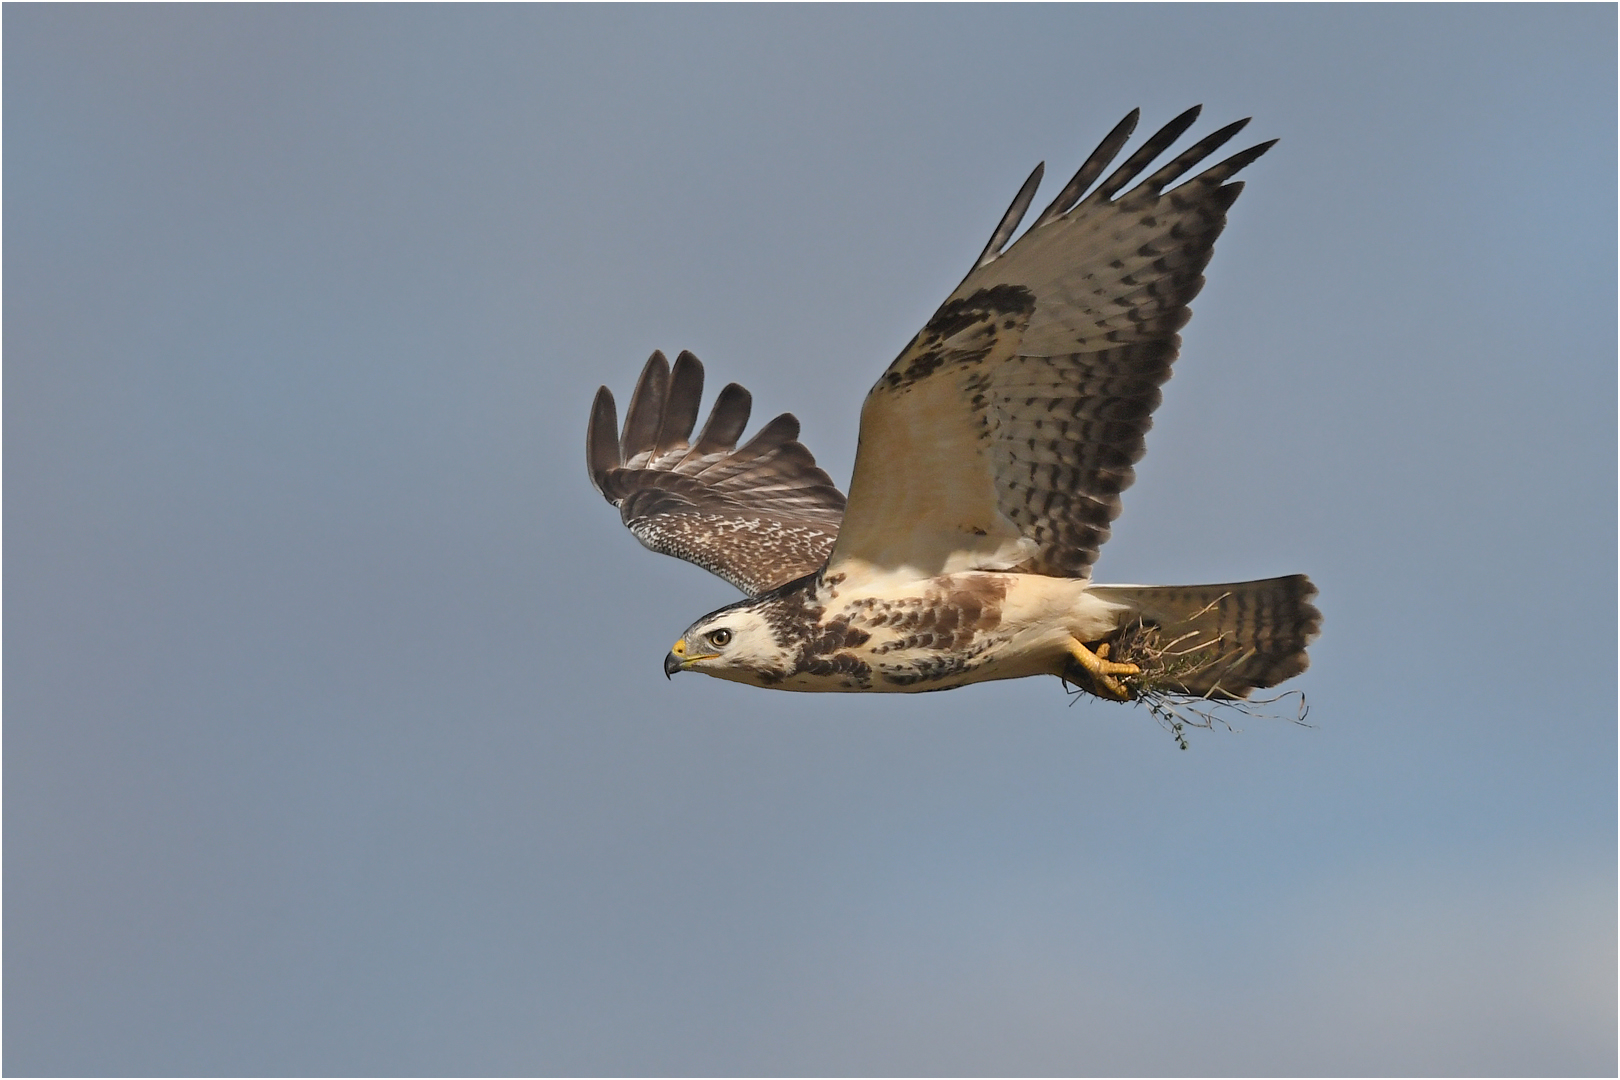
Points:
(758, 515)
(992, 457)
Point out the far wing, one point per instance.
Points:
(1003, 435)
(758, 515)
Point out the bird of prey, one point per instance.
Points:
(991, 459)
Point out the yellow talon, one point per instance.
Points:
(1102, 670)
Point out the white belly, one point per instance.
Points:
(949, 631)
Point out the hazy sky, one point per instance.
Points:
(336, 737)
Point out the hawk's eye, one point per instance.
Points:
(719, 638)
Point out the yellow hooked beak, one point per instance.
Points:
(678, 660)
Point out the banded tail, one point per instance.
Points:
(1216, 641)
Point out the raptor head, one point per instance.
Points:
(735, 643)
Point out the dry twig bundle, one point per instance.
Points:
(1170, 665)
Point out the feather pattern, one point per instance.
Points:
(1002, 436)
(1229, 639)
(992, 456)
(1015, 213)
(758, 515)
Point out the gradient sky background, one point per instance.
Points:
(336, 739)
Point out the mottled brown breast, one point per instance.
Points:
(938, 632)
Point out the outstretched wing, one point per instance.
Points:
(1003, 435)
(759, 515)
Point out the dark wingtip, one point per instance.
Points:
(684, 393)
(782, 429)
(646, 407)
(726, 422)
(1219, 174)
(1009, 221)
(1099, 159)
(602, 438)
(1192, 156)
(1156, 144)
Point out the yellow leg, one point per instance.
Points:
(1102, 671)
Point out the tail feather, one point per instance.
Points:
(1216, 641)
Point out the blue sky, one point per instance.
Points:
(336, 737)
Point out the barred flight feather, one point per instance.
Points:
(758, 515)
(1073, 325)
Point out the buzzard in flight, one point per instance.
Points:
(991, 459)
